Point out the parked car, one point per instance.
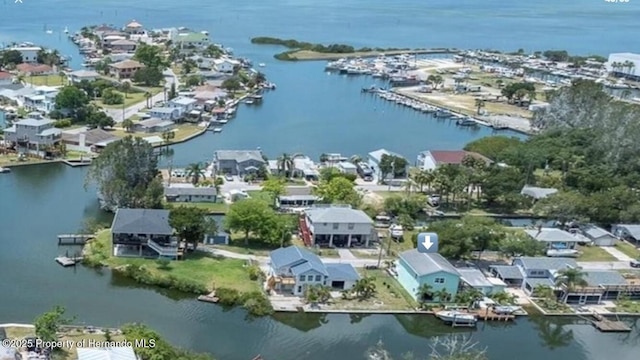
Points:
(228, 177)
(635, 263)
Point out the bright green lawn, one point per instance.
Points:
(218, 208)
(46, 80)
(131, 99)
(628, 249)
(594, 253)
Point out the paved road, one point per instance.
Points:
(119, 115)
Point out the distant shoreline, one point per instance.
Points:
(309, 55)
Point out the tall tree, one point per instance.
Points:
(191, 224)
(195, 172)
(48, 324)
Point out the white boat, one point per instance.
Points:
(248, 102)
(563, 253)
(506, 310)
(217, 130)
(49, 31)
(4, 170)
(396, 231)
(457, 317)
(262, 65)
(66, 30)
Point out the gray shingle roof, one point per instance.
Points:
(595, 278)
(547, 263)
(186, 191)
(508, 271)
(294, 257)
(537, 192)
(239, 155)
(540, 281)
(338, 214)
(342, 272)
(34, 122)
(474, 277)
(631, 229)
(141, 221)
(595, 232)
(551, 234)
(425, 264)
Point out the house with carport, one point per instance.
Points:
(336, 226)
(627, 232)
(554, 239)
(415, 269)
(598, 235)
(292, 269)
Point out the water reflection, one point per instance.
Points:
(356, 318)
(551, 331)
(303, 322)
(427, 326)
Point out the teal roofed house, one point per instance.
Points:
(192, 39)
(415, 268)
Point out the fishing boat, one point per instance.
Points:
(456, 317)
(217, 130)
(466, 122)
(262, 65)
(248, 102)
(4, 170)
(506, 310)
(442, 113)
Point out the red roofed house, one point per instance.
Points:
(5, 78)
(430, 160)
(34, 69)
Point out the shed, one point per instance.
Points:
(477, 280)
(599, 236)
(342, 276)
(220, 238)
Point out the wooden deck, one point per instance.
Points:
(68, 261)
(488, 315)
(606, 325)
(74, 239)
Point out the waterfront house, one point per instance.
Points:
(5, 78)
(336, 226)
(210, 95)
(628, 232)
(80, 75)
(346, 167)
(598, 235)
(190, 194)
(529, 272)
(29, 69)
(226, 65)
(100, 30)
(296, 197)
(124, 69)
(293, 268)
(191, 40)
(237, 162)
(431, 159)
(111, 36)
(375, 157)
(153, 125)
(555, 239)
(29, 53)
(41, 99)
(415, 269)
(305, 168)
(537, 193)
(143, 233)
(204, 63)
(88, 141)
(475, 278)
(109, 353)
(134, 28)
(332, 159)
(123, 45)
(165, 113)
(33, 133)
(182, 103)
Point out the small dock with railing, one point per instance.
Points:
(488, 315)
(74, 239)
(607, 325)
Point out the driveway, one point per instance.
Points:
(617, 253)
(346, 254)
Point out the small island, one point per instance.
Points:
(302, 50)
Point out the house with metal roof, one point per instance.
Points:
(628, 232)
(431, 159)
(237, 162)
(183, 103)
(336, 226)
(111, 353)
(165, 113)
(190, 194)
(416, 269)
(293, 269)
(555, 239)
(375, 157)
(598, 235)
(600, 285)
(296, 197)
(144, 233)
(34, 133)
(475, 278)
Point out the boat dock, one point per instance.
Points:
(74, 239)
(488, 315)
(66, 261)
(605, 325)
(210, 298)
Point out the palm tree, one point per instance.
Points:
(479, 105)
(424, 293)
(364, 288)
(148, 96)
(544, 292)
(217, 183)
(285, 164)
(195, 171)
(126, 87)
(570, 279)
(355, 159)
(442, 295)
(128, 125)
(63, 76)
(167, 136)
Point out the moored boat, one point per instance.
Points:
(456, 317)
(466, 122)
(4, 170)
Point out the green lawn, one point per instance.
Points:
(46, 80)
(213, 272)
(628, 249)
(628, 306)
(182, 131)
(131, 99)
(594, 253)
(217, 208)
(18, 332)
(389, 295)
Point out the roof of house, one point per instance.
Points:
(454, 156)
(540, 282)
(551, 235)
(342, 272)
(26, 48)
(141, 221)
(346, 165)
(304, 259)
(192, 37)
(183, 100)
(594, 232)
(153, 122)
(425, 264)
(50, 131)
(537, 192)
(34, 122)
(298, 190)
(163, 110)
(186, 191)
(239, 155)
(631, 229)
(33, 68)
(377, 154)
(509, 272)
(547, 263)
(474, 277)
(338, 214)
(84, 73)
(134, 24)
(605, 277)
(127, 64)
(113, 353)
(5, 75)
(124, 42)
(91, 137)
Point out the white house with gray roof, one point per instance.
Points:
(165, 113)
(555, 239)
(190, 194)
(598, 235)
(183, 103)
(628, 232)
(296, 197)
(237, 162)
(337, 226)
(293, 269)
(416, 269)
(33, 133)
(375, 157)
(144, 233)
(80, 75)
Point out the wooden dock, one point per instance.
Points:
(605, 325)
(74, 239)
(488, 315)
(66, 261)
(211, 298)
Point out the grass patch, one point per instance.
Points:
(12, 159)
(132, 98)
(628, 249)
(182, 131)
(76, 336)
(19, 332)
(628, 306)
(198, 268)
(552, 306)
(392, 247)
(46, 80)
(594, 253)
(389, 295)
(217, 207)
